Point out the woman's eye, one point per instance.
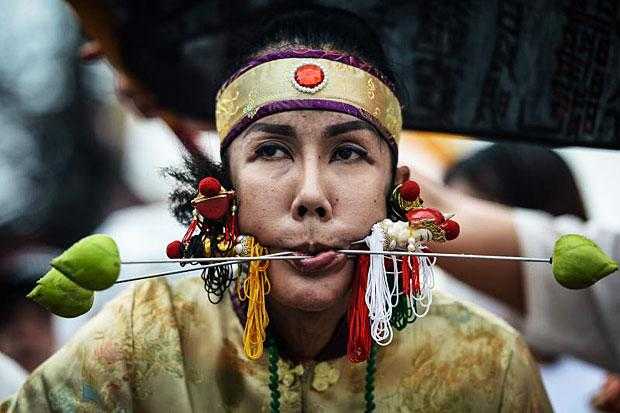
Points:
(348, 153)
(271, 151)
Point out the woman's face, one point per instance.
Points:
(310, 182)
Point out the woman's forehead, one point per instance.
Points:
(304, 121)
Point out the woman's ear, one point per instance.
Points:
(402, 174)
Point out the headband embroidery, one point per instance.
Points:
(307, 80)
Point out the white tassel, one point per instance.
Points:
(427, 283)
(378, 295)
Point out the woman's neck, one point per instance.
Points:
(303, 334)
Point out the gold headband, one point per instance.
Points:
(306, 83)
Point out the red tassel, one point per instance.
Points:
(406, 275)
(359, 343)
(416, 276)
(230, 232)
(190, 231)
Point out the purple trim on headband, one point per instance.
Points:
(308, 104)
(309, 54)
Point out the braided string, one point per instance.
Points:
(273, 356)
(371, 368)
(254, 289)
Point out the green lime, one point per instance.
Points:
(61, 296)
(92, 262)
(578, 262)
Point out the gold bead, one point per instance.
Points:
(207, 247)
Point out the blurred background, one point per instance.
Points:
(73, 162)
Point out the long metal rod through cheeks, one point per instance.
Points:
(446, 255)
(288, 256)
(221, 262)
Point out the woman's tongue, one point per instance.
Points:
(318, 261)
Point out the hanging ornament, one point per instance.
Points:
(254, 288)
(405, 197)
(211, 233)
(359, 342)
(378, 292)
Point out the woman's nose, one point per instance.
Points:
(311, 200)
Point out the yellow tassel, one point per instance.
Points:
(254, 288)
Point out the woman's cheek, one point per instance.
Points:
(361, 199)
(262, 203)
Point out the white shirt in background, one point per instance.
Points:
(583, 323)
(12, 376)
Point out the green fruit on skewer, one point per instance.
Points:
(93, 262)
(578, 262)
(61, 296)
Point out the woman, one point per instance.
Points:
(309, 130)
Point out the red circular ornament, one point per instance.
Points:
(409, 190)
(451, 228)
(214, 208)
(174, 250)
(309, 75)
(423, 214)
(209, 186)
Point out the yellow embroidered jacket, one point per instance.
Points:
(163, 347)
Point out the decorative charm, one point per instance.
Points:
(405, 197)
(215, 219)
(397, 290)
(309, 78)
(254, 288)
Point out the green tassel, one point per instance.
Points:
(402, 314)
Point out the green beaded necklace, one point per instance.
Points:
(273, 357)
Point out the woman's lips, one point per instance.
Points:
(325, 261)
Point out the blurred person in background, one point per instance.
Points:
(26, 333)
(52, 157)
(522, 176)
(504, 174)
(60, 134)
(541, 202)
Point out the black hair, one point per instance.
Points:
(524, 176)
(184, 46)
(185, 50)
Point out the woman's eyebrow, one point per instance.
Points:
(273, 128)
(345, 127)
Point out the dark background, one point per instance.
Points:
(533, 71)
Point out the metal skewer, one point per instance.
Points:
(163, 274)
(288, 256)
(222, 261)
(446, 255)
